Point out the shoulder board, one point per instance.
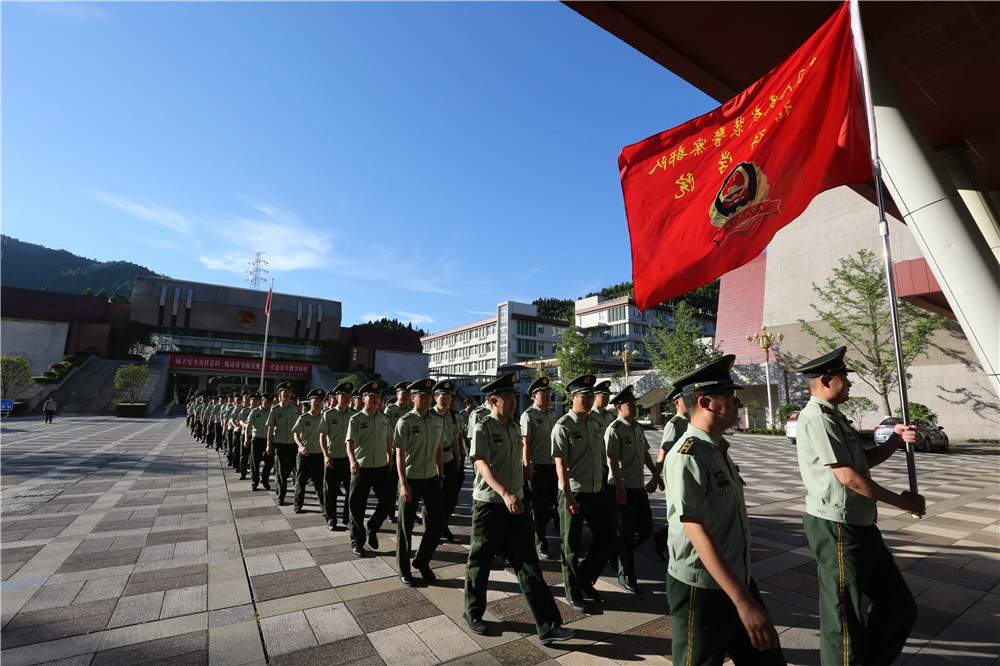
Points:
(407, 415)
(675, 418)
(563, 419)
(686, 447)
(351, 417)
(616, 423)
(826, 410)
(483, 420)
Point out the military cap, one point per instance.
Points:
(624, 396)
(444, 387)
(603, 387)
(470, 401)
(827, 364)
(390, 401)
(284, 386)
(356, 393)
(675, 393)
(401, 386)
(376, 387)
(714, 375)
(246, 394)
(582, 384)
(422, 387)
(344, 387)
(540, 384)
(255, 396)
(267, 396)
(499, 385)
(316, 393)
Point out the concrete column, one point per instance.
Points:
(948, 236)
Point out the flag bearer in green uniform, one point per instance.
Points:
(603, 416)
(280, 441)
(337, 465)
(500, 520)
(715, 604)
(672, 431)
(452, 450)
(419, 440)
(369, 448)
(578, 452)
(851, 558)
(256, 438)
(628, 451)
(539, 469)
(310, 463)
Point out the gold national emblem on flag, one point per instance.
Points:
(741, 203)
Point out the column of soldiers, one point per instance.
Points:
(587, 467)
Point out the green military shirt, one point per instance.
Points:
(673, 430)
(213, 415)
(335, 426)
(421, 437)
(704, 483)
(602, 419)
(370, 434)
(309, 427)
(282, 419)
(229, 413)
(451, 428)
(477, 414)
(536, 425)
(626, 441)
(257, 422)
(575, 439)
(500, 445)
(239, 416)
(395, 412)
(824, 438)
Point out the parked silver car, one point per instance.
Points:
(929, 435)
(793, 418)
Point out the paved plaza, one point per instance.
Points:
(127, 542)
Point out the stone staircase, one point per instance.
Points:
(91, 390)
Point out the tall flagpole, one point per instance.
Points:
(267, 327)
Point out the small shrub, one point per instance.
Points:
(786, 411)
(778, 432)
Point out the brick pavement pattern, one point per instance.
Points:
(126, 542)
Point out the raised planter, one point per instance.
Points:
(132, 410)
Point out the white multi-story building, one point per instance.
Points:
(472, 354)
(617, 323)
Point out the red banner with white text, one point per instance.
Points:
(243, 365)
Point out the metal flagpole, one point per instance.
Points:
(267, 327)
(883, 227)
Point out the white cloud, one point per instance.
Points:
(151, 212)
(479, 312)
(68, 11)
(414, 318)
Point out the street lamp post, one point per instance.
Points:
(766, 340)
(625, 356)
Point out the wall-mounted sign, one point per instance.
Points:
(245, 319)
(241, 365)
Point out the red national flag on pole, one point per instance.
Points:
(267, 305)
(707, 196)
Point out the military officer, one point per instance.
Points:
(539, 469)
(499, 518)
(628, 451)
(604, 416)
(851, 558)
(280, 441)
(337, 465)
(256, 439)
(419, 440)
(715, 604)
(578, 452)
(672, 431)
(452, 450)
(310, 463)
(369, 448)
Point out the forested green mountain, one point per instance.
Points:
(32, 266)
(704, 298)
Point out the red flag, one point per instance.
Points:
(707, 196)
(267, 306)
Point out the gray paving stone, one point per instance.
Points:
(136, 609)
(184, 601)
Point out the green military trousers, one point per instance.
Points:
(595, 510)
(368, 479)
(284, 467)
(429, 491)
(634, 524)
(706, 626)
(496, 529)
(333, 477)
(851, 561)
(543, 493)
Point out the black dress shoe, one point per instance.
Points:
(476, 626)
(447, 535)
(253, 487)
(243, 477)
(577, 606)
(372, 539)
(297, 509)
(359, 551)
(281, 502)
(558, 634)
(267, 486)
(425, 572)
(408, 581)
(544, 555)
(631, 587)
(392, 519)
(590, 592)
(334, 527)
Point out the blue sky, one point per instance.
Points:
(422, 161)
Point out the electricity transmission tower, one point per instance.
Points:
(257, 271)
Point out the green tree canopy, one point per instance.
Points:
(15, 372)
(676, 348)
(575, 355)
(555, 308)
(395, 324)
(857, 408)
(131, 379)
(854, 306)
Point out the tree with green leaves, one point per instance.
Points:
(15, 372)
(677, 348)
(131, 379)
(857, 408)
(854, 306)
(919, 411)
(575, 355)
(755, 412)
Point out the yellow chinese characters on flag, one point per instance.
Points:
(706, 197)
